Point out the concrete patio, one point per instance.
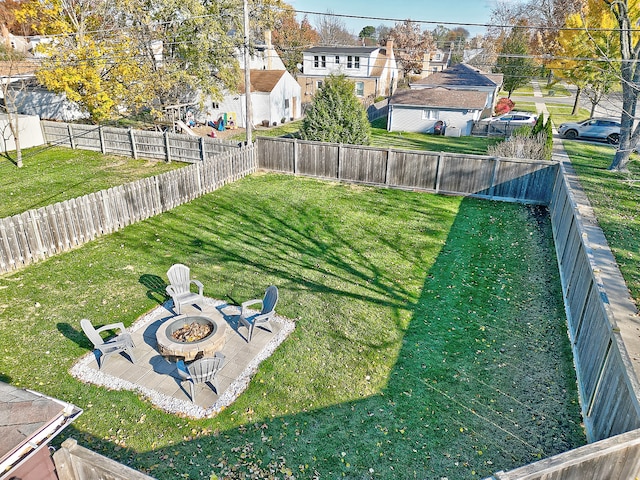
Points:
(156, 378)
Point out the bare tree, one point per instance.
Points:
(410, 46)
(13, 71)
(333, 31)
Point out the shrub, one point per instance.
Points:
(521, 146)
(539, 125)
(548, 130)
(504, 105)
(336, 115)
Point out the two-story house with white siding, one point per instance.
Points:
(372, 69)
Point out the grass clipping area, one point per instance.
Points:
(430, 338)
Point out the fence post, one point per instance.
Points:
(103, 147)
(166, 146)
(71, 138)
(295, 156)
(438, 172)
(493, 176)
(339, 161)
(203, 155)
(132, 139)
(386, 172)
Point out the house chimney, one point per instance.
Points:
(269, 50)
(389, 46)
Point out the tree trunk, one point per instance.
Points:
(576, 102)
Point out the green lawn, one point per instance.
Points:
(615, 198)
(430, 340)
(562, 113)
(51, 175)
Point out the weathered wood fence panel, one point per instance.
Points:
(413, 169)
(135, 143)
(608, 386)
(527, 181)
(41, 233)
(74, 462)
(614, 458)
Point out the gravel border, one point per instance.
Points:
(83, 372)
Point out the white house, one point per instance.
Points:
(454, 99)
(275, 97)
(425, 110)
(373, 69)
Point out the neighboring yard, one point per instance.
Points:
(430, 341)
(55, 174)
(405, 140)
(615, 198)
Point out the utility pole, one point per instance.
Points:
(247, 76)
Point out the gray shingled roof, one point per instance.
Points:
(460, 75)
(23, 414)
(440, 97)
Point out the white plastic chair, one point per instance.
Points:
(179, 288)
(120, 343)
(201, 371)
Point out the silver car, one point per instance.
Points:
(607, 129)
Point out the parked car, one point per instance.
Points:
(607, 129)
(514, 119)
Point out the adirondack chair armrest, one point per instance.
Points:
(249, 303)
(171, 291)
(112, 326)
(262, 318)
(198, 284)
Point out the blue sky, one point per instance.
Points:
(455, 11)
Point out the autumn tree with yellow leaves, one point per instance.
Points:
(586, 57)
(116, 57)
(608, 29)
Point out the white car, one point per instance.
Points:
(515, 119)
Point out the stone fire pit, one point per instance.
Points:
(190, 337)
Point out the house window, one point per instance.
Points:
(319, 84)
(324, 61)
(315, 61)
(349, 61)
(429, 114)
(286, 103)
(356, 62)
(215, 105)
(360, 89)
(337, 59)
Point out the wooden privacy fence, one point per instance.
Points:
(43, 232)
(135, 143)
(608, 385)
(528, 181)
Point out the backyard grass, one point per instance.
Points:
(428, 142)
(615, 198)
(405, 140)
(430, 340)
(51, 175)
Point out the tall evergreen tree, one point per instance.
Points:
(336, 115)
(514, 61)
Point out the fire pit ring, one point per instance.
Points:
(174, 349)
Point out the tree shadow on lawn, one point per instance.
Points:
(483, 380)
